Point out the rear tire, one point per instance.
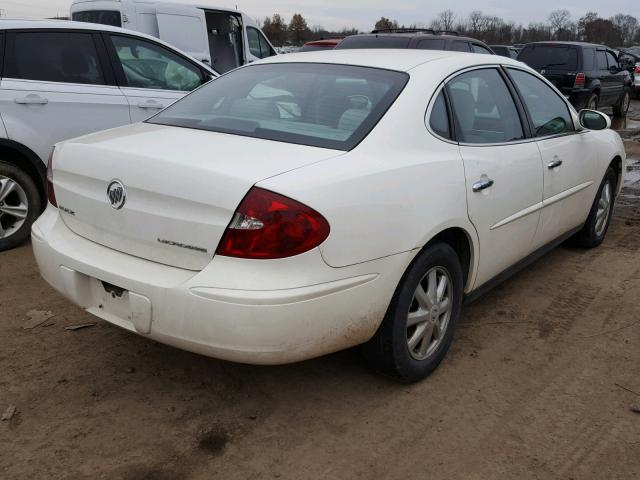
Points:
(592, 102)
(19, 205)
(621, 108)
(597, 224)
(418, 328)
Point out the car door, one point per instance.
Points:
(55, 86)
(607, 79)
(502, 168)
(617, 76)
(569, 160)
(150, 75)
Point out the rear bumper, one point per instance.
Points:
(261, 312)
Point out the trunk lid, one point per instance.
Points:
(182, 187)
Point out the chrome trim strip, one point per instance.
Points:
(539, 206)
(522, 213)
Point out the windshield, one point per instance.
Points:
(322, 105)
(104, 17)
(551, 57)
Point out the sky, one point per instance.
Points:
(362, 14)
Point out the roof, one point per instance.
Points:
(560, 42)
(416, 34)
(391, 59)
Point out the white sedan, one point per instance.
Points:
(318, 201)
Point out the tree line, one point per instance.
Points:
(620, 30)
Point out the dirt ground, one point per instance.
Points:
(539, 384)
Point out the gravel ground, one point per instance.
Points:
(540, 383)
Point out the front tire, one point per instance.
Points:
(418, 328)
(622, 107)
(597, 224)
(19, 205)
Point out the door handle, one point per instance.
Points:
(482, 184)
(31, 99)
(150, 104)
(555, 163)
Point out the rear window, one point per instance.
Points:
(370, 41)
(550, 57)
(104, 17)
(321, 105)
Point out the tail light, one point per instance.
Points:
(580, 80)
(636, 69)
(268, 226)
(51, 194)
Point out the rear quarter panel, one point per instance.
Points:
(394, 192)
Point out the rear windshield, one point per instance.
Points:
(370, 41)
(321, 105)
(104, 17)
(550, 57)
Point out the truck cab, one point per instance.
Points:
(219, 37)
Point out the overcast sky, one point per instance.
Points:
(362, 14)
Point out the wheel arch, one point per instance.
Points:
(466, 247)
(27, 160)
(616, 164)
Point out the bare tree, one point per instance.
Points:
(626, 26)
(445, 21)
(559, 21)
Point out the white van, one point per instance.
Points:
(222, 38)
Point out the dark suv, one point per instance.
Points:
(589, 75)
(424, 39)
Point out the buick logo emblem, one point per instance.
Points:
(117, 194)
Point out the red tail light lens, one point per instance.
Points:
(268, 226)
(51, 194)
(636, 69)
(579, 80)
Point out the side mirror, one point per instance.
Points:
(614, 69)
(594, 120)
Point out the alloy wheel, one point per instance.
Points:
(14, 206)
(604, 209)
(429, 313)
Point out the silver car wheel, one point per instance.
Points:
(604, 209)
(429, 313)
(14, 206)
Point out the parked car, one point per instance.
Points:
(505, 51)
(371, 222)
(423, 39)
(221, 37)
(65, 79)
(630, 58)
(324, 44)
(589, 75)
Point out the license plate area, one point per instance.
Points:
(120, 306)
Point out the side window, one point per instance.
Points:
(431, 44)
(265, 48)
(68, 57)
(147, 65)
(611, 60)
(460, 46)
(601, 60)
(483, 108)
(548, 111)
(439, 119)
(258, 45)
(587, 59)
(480, 49)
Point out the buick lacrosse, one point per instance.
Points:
(314, 202)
